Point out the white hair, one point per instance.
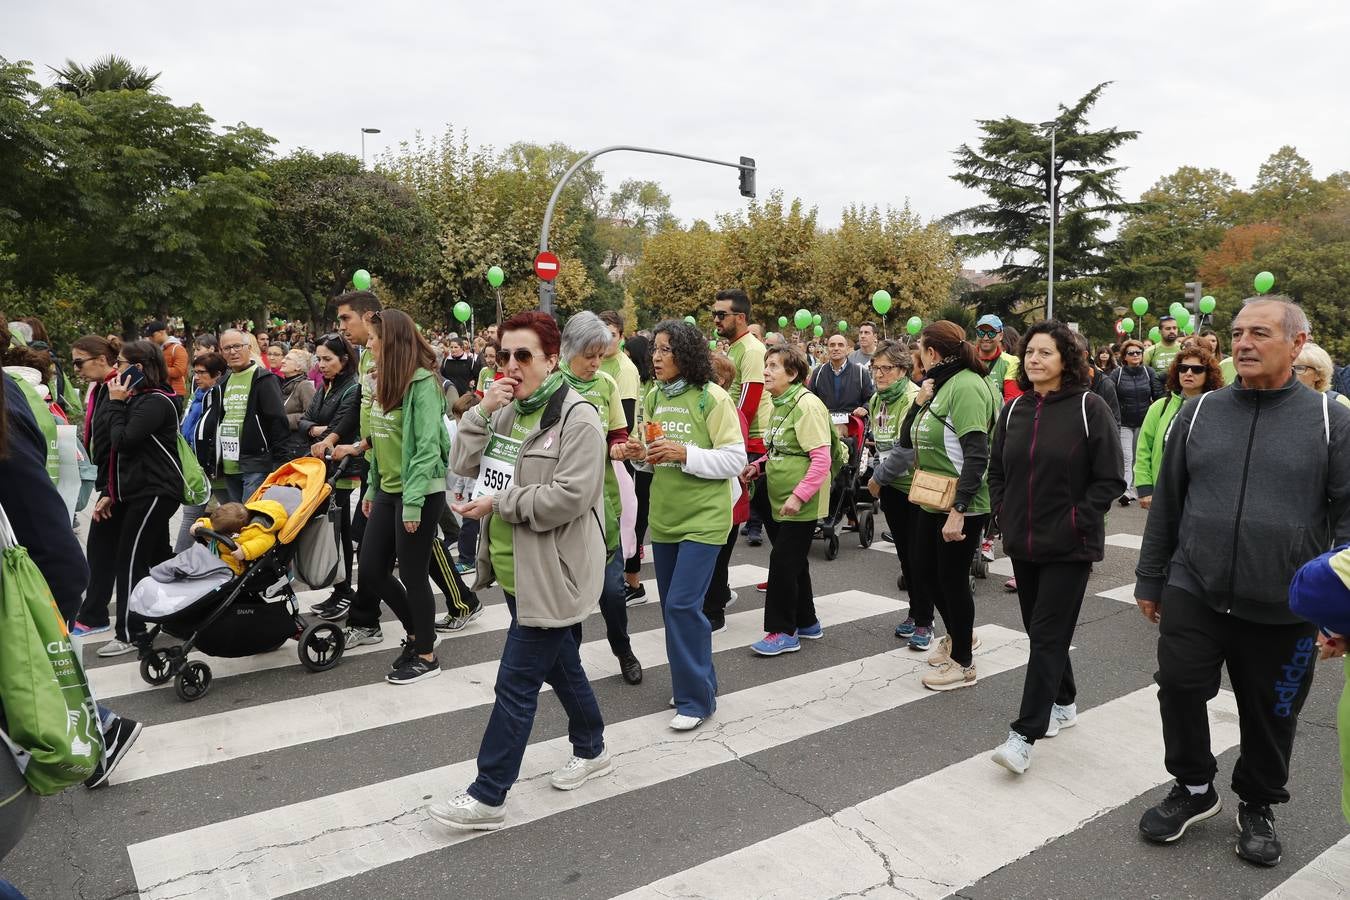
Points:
(1293, 320)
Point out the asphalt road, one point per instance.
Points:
(824, 773)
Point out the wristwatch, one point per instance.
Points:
(960, 507)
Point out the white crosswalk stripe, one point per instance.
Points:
(315, 842)
(1325, 878)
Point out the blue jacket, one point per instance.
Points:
(194, 412)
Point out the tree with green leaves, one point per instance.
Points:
(108, 73)
(1011, 167)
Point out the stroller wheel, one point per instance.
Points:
(866, 529)
(321, 646)
(157, 666)
(831, 546)
(193, 681)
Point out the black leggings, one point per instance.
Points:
(789, 603)
(642, 486)
(1050, 594)
(386, 540)
(899, 513)
(343, 499)
(121, 551)
(719, 590)
(941, 572)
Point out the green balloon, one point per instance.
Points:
(1207, 304)
(496, 276)
(1140, 306)
(1155, 334)
(881, 302)
(1263, 282)
(1183, 318)
(691, 320)
(1189, 327)
(1127, 325)
(1176, 309)
(843, 326)
(914, 325)
(816, 319)
(782, 321)
(818, 330)
(801, 318)
(462, 311)
(361, 280)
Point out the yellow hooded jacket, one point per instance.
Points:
(257, 537)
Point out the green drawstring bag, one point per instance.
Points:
(50, 715)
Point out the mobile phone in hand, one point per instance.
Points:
(133, 376)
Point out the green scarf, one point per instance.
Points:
(581, 386)
(674, 388)
(891, 394)
(789, 395)
(541, 395)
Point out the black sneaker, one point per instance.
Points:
(415, 669)
(632, 596)
(1257, 842)
(754, 538)
(1169, 820)
(631, 668)
(337, 608)
(117, 740)
(405, 653)
(718, 623)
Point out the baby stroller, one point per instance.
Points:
(849, 498)
(225, 615)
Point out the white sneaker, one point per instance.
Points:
(731, 600)
(116, 648)
(987, 550)
(1061, 717)
(1014, 755)
(468, 814)
(682, 722)
(577, 771)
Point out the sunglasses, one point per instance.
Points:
(1183, 368)
(79, 363)
(720, 314)
(521, 355)
(1134, 352)
(985, 333)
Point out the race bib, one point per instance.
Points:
(229, 442)
(497, 467)
(839, 418)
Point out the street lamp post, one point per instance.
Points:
(1050, 276)
(364, 132)
(746, 167)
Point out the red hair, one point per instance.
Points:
(541, 323)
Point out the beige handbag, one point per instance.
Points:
(933, 491)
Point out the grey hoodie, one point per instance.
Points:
(1251, 488)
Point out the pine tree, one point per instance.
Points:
(1012, 168)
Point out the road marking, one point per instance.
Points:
(894, 846)
(1128, 541)
(1124, 593)
(125, 678)
(1001, 566)
(215, 738)
(329, 838)
(1325, 878)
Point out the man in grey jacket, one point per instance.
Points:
(1255, 482)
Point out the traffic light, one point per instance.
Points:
(747, 177)
(1193, 294)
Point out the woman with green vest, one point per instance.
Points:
(891, 365)
(537, 451)
(405, 495)
(585, 341)
(488, 373)
(1193, 372)
(796, 466)
(948, 427)
(692, 444)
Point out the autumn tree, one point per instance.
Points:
(678, 273)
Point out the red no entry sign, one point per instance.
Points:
(546, 265)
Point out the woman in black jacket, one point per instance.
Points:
(334, 417)
(145, 483)
(1053, 471)
(1137, 386)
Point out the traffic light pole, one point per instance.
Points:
(547, 293)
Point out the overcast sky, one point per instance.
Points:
(839, 102)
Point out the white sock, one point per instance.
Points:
(1197, 789)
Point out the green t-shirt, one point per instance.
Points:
(46, 421)
(1003, 367)
(235, 404)
(685, 507)
(386, 440)
(1229, 370)
(747, 353)
(364, 364)
(886, 419)
(625, 375)
(603, 394)
(963, 405)
(797, 426)
(501, 534)
(1160, 357)
(486, 375)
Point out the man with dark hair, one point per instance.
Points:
(731, 318)
(1255, 482)
(867, 345)
(175, 359)
(1002, 365)
(618, 366)
(1160, 356)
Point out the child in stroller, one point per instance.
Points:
(253, 527)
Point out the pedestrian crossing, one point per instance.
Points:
(886, 789)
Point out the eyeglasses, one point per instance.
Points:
(884, 370)
(985, 333)
(200, 373)
(522, 355)
(658, 350)
(1302, 370)
(231, 348)
(1183, 368)
(79, 363)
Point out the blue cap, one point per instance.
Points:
(990, 319)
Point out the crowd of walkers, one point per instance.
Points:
(542, 459)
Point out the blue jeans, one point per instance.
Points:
(9, 891)
(683, 573)
(614, 609)
(238, 488)
(531, 657)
